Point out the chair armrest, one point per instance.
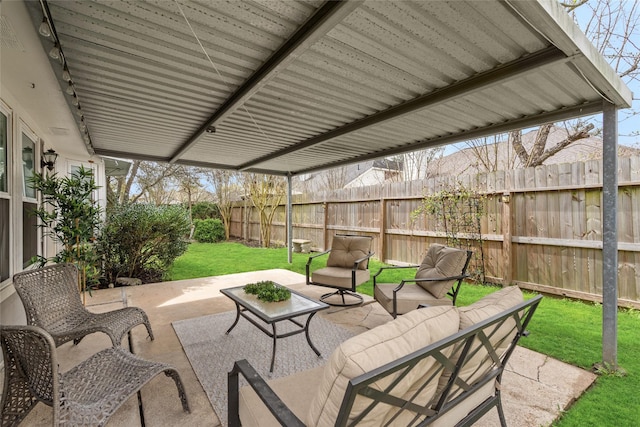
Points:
(271, 400)
(391, 267)
(317, 255)
(438, 279)
(308, 266)
(364, 258)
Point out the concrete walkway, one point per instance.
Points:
(536, 388)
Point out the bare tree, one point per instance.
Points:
(266, 192)
(334, 178)
(416, 164)
(226, 189)
(613, 28)
(147, 179)
(188, 182)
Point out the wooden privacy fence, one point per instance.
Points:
(541, 228)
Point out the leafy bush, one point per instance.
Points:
(205, 210)
(69, 215)
(209, 230)
(268, 291)
(143, 241)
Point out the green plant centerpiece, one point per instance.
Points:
(268, 291)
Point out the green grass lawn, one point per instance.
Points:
(567, 330)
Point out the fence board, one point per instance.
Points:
(555, 223)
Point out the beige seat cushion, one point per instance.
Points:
(375, 348)
(345, 250)
(296, 391)
(338, 277)
(440, 262)
(481, 362)
(409, 297)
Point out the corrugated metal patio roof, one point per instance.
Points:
(295, 86)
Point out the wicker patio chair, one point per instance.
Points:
(86, 395)
(52, 301)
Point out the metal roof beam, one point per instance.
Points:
(481, 81)
(317, 26)
(586, 109)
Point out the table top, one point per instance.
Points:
(271, 312)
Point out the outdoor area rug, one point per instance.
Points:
(212, 353)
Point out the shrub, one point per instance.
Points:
(205, 210)
(69, 215)
(209, 230)
(143, 241)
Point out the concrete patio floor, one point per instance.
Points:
(536, 388)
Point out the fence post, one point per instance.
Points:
(383, 221)
(324, 226)
(507, 275)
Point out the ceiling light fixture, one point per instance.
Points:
(70, 89)
(44, 29)
(55, 51)
(66, 76)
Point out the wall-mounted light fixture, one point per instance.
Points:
(49, 159)
(506, 198)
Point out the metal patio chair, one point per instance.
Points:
(86, 395)
(347, 267)
(438, 277)
(52, 301)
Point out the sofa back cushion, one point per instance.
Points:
(345, 250)
(440, 262)
(479, 361)
(374, 348)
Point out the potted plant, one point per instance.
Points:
(268, 291)
(69, 215)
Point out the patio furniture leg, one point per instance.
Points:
(235, 322)
(275, 340)
(306, 333)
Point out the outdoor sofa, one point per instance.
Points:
(440, 365)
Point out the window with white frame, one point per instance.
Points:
(29, 200)
(5, 197)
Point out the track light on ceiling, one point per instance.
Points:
(211, 129)
(44, 29)
(55, 51)
(75, 101)
(66, 76)
(70, 89)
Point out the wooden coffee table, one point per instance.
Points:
(273, 312)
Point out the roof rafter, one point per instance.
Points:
(475, 83)
(318, 25)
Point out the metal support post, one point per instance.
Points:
(610, 236)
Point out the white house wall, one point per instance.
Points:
(34, 101)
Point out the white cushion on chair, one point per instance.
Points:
(338, 277)
(440, 262)
(375, 348)
(408, 298)
(345, 250)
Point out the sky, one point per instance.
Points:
(628, 127)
